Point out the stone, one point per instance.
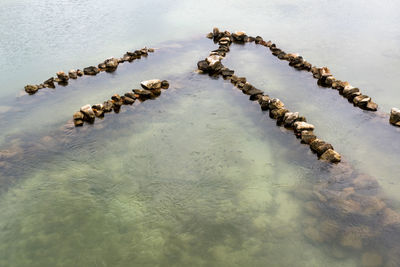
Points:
(164, 84)
(254, 93)
(78, 123)
(107, 106)
(98, 113)
(102, 66)
(370, 205)
(371, 106)
(79, 72)
(351, 240)
(31, 89)
(62, 76)
(361, 100)
(203, 66)
(278, 113)
(73, 74)
(239, 36)
(339, 85)
(210, 35)
(290, 118)
(92, 70)
(331, 155)
(151, 84)
(128, 101)
(111, 64)
(390, 217)
(88, 113)
(49, 83)
(307, 137)
(313, 234)
(365, 182)
(275, 103)
(258, 39)
(371, 259)
(227, 72)
(320, 147)
(395, 117)
(348, 90)
(329, 229)
(215, 32)
(211, 60)
(142, 94)
(151, 50)
(116, 98)
(264, 102)
(130, 95)
(312, 208)
(300, 126)
(97, 106)
(78, 115)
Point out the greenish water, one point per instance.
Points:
(199, 176)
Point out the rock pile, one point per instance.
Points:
(212, 65)
(88, 113)
(109, 65)
(323, 75)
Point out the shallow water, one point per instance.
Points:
(199, 176)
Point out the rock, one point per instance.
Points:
(307, 137)
(116, 98)
(210, 35)
(395, 116)
(361, 100)
(258, 39)
(97, 106)
(349, 90)
(371, 259)
(227, 72)
(203, 66)
(88, 113)
(264, 102)
(164, 84)
(79, 72)
(339, 85)
(320, 147)
(275, 103)
(239, 36)
(128, 101)
(31, 89)
(78, 115)
(78, 123)
(312, 208)
(370, 205)
(313, 234)
(49, 83)
(142, 94)
(62, 76)
(390, 217)
(351, 240)
(111, 64)
(107, 106)
(331, 155)
(102, 66)
(215, 32)
(278, 114)
(365, 182)
(151, 84)
(329, 229)
(98, 113)
(371, 106)
(300, 126)
(73, 74)
(290, 118)
(92, 70)
(130, 95)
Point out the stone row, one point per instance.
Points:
(151, 89)
(108, 65)
(277, 110)
(324, 75)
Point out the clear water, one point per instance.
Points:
(199, 176)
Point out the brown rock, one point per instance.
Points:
(307, 137)
(31, 89)
(331, 155)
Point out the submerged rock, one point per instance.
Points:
(151, 84)
(395, 117)
(371, 259)
(92, 70)
(31, 89)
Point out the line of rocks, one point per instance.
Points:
(277, 110)
(151, 89)
(108, 65)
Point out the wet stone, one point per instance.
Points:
(331, 155)
(164, 84)
(62, 76)
(300, 126)
(107, 106)
(79, 72)
(73, 74)
(111, 64)
(278, 114)
(320, 146)
(31, 89)
(307, 137)
(290, 118)
(275, 103)
(92, 70)
(264, 102)
(130, 95)
(395, 117)
(88, 113)
(151, 84)
(49, 83)
(128, 101)
(142, 93)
